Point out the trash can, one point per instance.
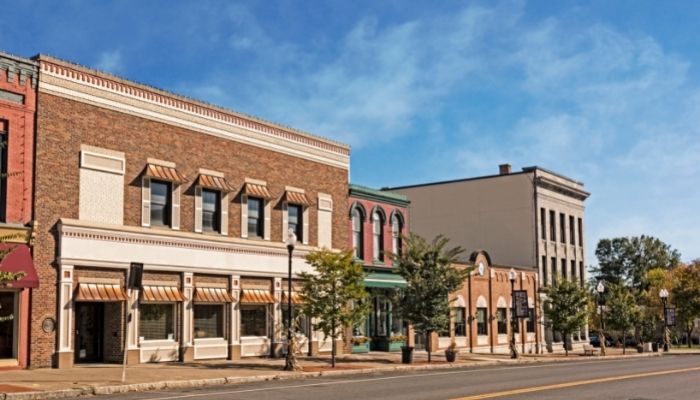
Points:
(406, 355)
(655, 347)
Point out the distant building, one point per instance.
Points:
(18, 85)
(532, 218)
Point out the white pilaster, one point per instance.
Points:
(277, 311)
(187, 310)
(235, 326)
(65, 316)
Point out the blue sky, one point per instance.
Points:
(605, 92)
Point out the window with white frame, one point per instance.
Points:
(157, 321)
(211, 210)
(458, 317)
(295, 220)
(482, 321)
(378, 235)
(396, 228)
(208, 321)
(254, 320)
(357, 232)
(256, 217)
(161, 203)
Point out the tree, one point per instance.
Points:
(334, 296)
(566, 308)
(627, 260)
(686, 297)
(430, 277)
(622, 312)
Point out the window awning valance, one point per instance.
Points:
(212, 295)
(214, 182)
(165, 173)
(384, 280)
(297, 198)
(252, 189)
(100, 292)
(257, 296)
(296, 299)
(161, 293)
(17, 258)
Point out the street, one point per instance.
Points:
(668, 377)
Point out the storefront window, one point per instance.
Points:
(458, 317)
(502, 321)
(7, 324)
(157, 321)
(208, 321)
(530, 320)
(300, 323)
(254, 320)
(481, 323)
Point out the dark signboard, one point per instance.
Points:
(522, 309)
(670, 317)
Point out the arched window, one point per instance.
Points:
(378, 235)
(396, 228)
(357, 232)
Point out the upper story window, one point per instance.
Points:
(256, 217)
(295, 220)
(211, 210)
(396, 229)
(572, 228)
(543, 223)
(357, 232)
(378, 235)
(580, 232)
(552, 226)
(161, 203)
(562, 228)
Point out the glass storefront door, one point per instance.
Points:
(89, 332)
(8, 325)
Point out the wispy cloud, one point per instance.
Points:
(110, 61)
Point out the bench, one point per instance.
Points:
(589, 350)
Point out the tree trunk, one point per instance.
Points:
(429, 343)
(688, 334)
(566, 346)
(624, 343)
(333, 335)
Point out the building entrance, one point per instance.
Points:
(8, 325)
(89, 332)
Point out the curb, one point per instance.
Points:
(232, 380)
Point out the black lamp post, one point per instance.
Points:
(601, 301)
(291, 240)
(663, 293)
(513, 349)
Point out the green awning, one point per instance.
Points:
(384, 280)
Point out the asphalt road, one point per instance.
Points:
(669, 377)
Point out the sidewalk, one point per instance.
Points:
(106, 378)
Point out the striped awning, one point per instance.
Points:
(165, 173)
(297, 198)
(296, 299)
(212, 295)
(251, 189)
(214, 182)
(99, 292)
(161, 293)
(257, 296)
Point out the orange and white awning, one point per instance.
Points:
(257, 296)
(214, 182)
(165, 173)
(100, 292)
(212, 295)
(297, 198)
(161, 293)
(296, 299)
(255, 190)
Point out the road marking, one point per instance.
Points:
(412, 376)
(576, 383)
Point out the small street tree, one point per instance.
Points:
(430, 277)
(686, 297)
(622, 312)
(566, 308)
(334, 296)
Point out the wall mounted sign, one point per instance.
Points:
(522, 309)
(48, 325)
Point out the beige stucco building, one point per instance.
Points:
(533, 217)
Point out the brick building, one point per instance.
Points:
(378, 220)
(201, 195)
(18, 83)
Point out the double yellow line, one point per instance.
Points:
(575, 383)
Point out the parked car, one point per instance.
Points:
(594, 340)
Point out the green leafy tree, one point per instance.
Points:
(622, 313)
(627, 260)
(430, 277)
(685, 295)
(335, 294)
(566, 308)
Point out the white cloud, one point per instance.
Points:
(110, 61)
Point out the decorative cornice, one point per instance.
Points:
(555, 186)
(97, 84)
(23, 67)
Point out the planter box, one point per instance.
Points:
(385, 345)
(360, 348)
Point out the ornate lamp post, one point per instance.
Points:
(601, 301)
(513, 349)
(663, 293)
(291, 241)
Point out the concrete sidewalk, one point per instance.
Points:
(106, 378)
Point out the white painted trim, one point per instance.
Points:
(85, 164)
(162, 163)
(198, 209)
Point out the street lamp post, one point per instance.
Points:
(663, 293)
(601, 301)
(291, 240)
(513, 348)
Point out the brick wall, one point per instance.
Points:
(63, 125)
(368, 232)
